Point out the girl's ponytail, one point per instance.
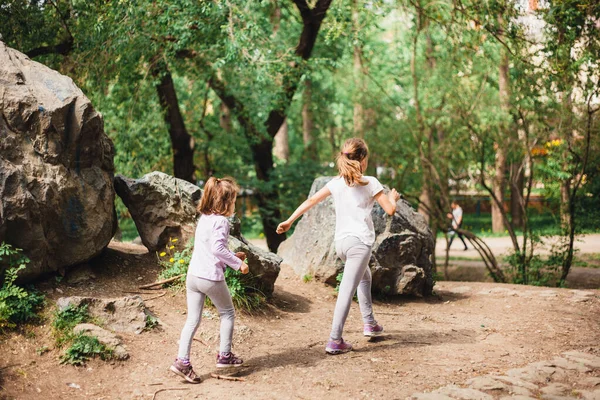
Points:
(354, 151)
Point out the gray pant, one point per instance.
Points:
(357, 274)
(197, 289)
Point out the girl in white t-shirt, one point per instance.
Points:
(353, 196)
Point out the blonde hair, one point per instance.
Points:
(219, 196)
(354, 151)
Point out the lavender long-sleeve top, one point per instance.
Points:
(211, 255)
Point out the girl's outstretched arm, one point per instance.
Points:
(388, 202)
(304, 207)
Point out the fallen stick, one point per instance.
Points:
(390, 313)
(228, 378)
(201, 341)
(137, 292)
(165, 389)
(148, 286)
(156, 297)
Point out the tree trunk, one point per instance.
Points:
(332, 141)
(425, 204)
(359, 112)
(268, 201)
(517, 183)
(225, 118)
(498, 186)
(308, 123)
(565, 203)
(499, 182)
(282, 145)
(181, 142)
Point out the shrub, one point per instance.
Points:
(175, 262)
(17, 305)
(244, 293)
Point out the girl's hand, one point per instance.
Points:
(284, 227)
(244, 269)
(241, 255)
(393, 195)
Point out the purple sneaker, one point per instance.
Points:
(372, 330)
(185, 371)
(337, 348)
(226, 360)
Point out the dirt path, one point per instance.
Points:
(469, 330)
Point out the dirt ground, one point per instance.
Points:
(466, 330)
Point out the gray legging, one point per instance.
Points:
(357, 274)
(197, 289)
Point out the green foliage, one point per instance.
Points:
(427, 82)
(307, 278)
(84, 347)
(338, 280)
(65, 320)
(175, 262)
(80, 347)
(243, 289)
(538, 270)
(151, 322)
(17, 305)
(244, 293)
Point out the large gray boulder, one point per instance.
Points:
(164, 207)
(161, 206)
(264, 266)
(56, 167)
(401, 255)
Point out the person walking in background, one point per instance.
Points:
(353, 195)
(457, 217)
(206, 277)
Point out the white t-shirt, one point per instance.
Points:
(353, 205)
(456, 216)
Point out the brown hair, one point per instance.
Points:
(219, 196)
(354, 151)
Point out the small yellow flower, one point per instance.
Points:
(163, 254)
(171, 259)
(181, 261)
(174, 240)
(172, 247)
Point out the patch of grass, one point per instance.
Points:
(544, 223)
(151, 322)
(65, 320)
(84, 347)
(587, 260)
(307, 278)
(17, 305)
(81, 347)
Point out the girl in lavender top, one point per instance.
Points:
(353, 195)
(206, 277)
